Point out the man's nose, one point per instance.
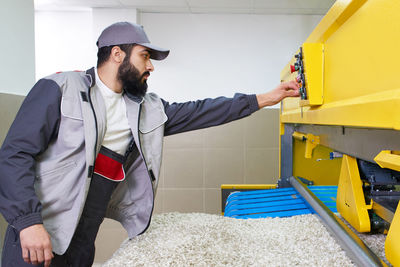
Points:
(149, 66)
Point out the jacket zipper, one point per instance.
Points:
(97, 133)
(147, 168)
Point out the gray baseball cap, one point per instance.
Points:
(129, 33)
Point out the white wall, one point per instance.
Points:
(64, 41)
(17, 58)
(211, 54)
(103, 17)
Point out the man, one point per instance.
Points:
(88, 145)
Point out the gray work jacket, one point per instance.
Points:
(47, 158)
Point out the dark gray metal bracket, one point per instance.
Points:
(286, 157)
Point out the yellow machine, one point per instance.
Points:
(345, 128)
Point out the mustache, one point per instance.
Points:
(146, 73)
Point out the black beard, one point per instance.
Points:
(131, 79)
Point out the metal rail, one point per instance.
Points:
(355, 248)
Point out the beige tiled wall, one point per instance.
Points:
(9, 105)
(195, 164)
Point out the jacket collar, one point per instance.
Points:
(91, 78)
(137, 99)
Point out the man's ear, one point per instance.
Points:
(117, 55)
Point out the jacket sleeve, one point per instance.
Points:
(183, 117)
(35, 124)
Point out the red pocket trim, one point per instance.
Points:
(109, 168)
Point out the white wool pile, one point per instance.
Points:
(376, 243)
(196, 239)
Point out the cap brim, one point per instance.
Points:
(156, 53)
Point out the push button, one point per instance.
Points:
(294, 68)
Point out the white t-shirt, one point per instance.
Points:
(118, 134)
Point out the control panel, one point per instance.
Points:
(299, 68)
(309, 69)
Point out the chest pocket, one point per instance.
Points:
(70, 108)
(151, 131)
(152, 117)
(71, 130)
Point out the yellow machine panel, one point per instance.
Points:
(350, 197)
(388, 159)
(309, 65)
(349, 108)
(360, 75)
(317, 166)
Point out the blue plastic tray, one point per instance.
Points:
(282, 202)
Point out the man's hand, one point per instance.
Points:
(36, 245)
(275, 96)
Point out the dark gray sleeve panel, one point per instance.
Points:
(193, 115)
(35, 125)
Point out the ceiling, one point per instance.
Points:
(317, 7)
